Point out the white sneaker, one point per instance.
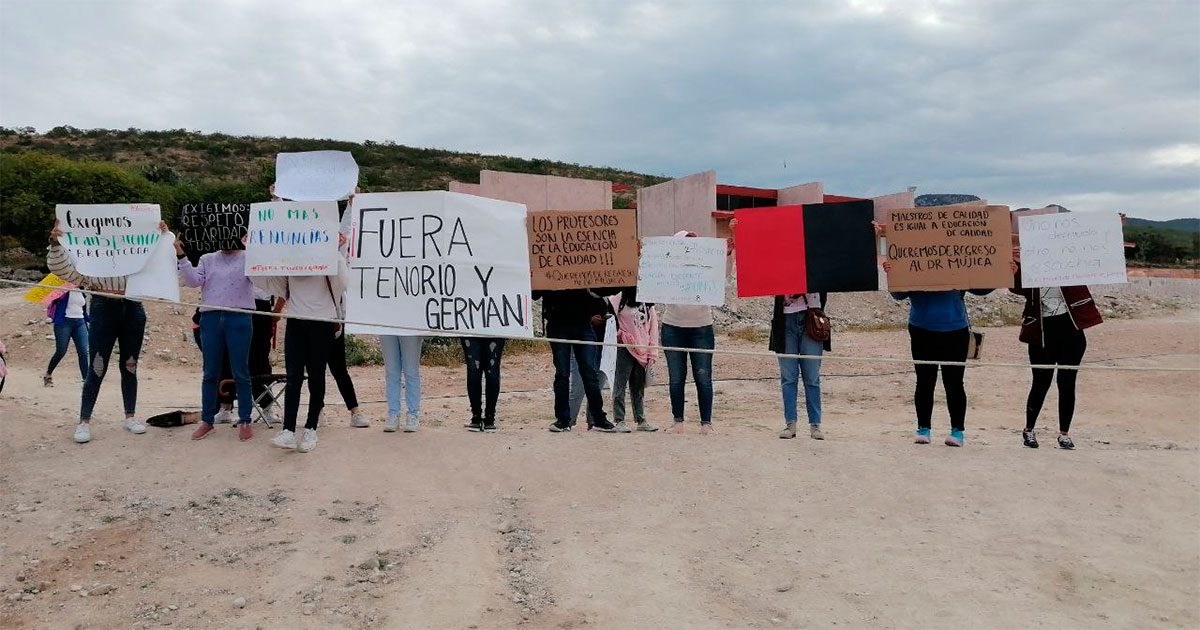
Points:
(411, 425)
(83, 433)
(393, 423)
(285, 439)
(134, 427)
(309, 441)
(359, 420)
(224, 416)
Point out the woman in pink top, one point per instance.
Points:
(637, 324)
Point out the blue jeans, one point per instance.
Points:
(589, 366)
(797, 341)
(71, 328)
(225, 336)
(402, 358)
(115, 322)
(701, 337)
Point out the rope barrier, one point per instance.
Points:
(713, 351)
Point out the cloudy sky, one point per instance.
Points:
(1092, 104)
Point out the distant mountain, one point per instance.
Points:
(1190, 226)
(943, 199)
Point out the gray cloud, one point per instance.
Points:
(1093, 105)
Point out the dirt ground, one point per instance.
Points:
(449, 529)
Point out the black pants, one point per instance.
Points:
(306, 350)
(483, 360)
(1065, 345)
(932, 345)
(341, 374)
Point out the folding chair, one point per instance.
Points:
(269, 399)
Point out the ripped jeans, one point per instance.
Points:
(115, 321)
(700, 337)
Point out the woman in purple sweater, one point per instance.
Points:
(222, 279)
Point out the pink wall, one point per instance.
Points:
(546, 192)
(465, 188)
(686, 203)
(894, 201)
(812, 192)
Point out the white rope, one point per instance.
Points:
(746, 353)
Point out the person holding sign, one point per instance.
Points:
(483, 356)
(70, 317)
(637, 325)
(307, 345)
(790, 335)
(224, 336)
(1052, 326)
(689, 326)
(572, 314)
(115, 321)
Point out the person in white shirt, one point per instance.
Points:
(70, 317)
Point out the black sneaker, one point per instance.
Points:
(475, 425)
(489, 425)
(560, 428)
(1066, 443)
(1029, 439)
(604, 426)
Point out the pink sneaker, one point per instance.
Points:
(245, 432)
(202, 431)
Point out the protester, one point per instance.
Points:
(572, 314)
(1052, 325)
(689, 326)
(939, 330)
(789, 335)
(114, 321)
(483, 355)
(402, 373)
(263, 325)
(307, 345)
(578, 394)
(70, 317)
(637, 325)
(341, 375)
(225, 336)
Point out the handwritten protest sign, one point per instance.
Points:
(210, 227)
(108, 240)
(681, 270)
(159, 278)
(1072, 249)
(438, 262)
(292, 238)
(315, 175)
(583, 249)
(50, 284)
(1017, 214)
(770, 251)
(936, 249)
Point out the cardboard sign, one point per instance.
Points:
(438, 262)
(839, 247)
(292, 238)
(51, 284)
(160, 277)
(770, 251)
(315, 175)
(1075, 248)
(938, 248)
(682, 270)
(583, 249)
(211, 227)
(108, 240)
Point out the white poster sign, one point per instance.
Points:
(109, 240)
(315, 175)
(292, 238)
(160, 277)
(1074, 248)
(608, 355)
(682, 270)
(438, 262)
